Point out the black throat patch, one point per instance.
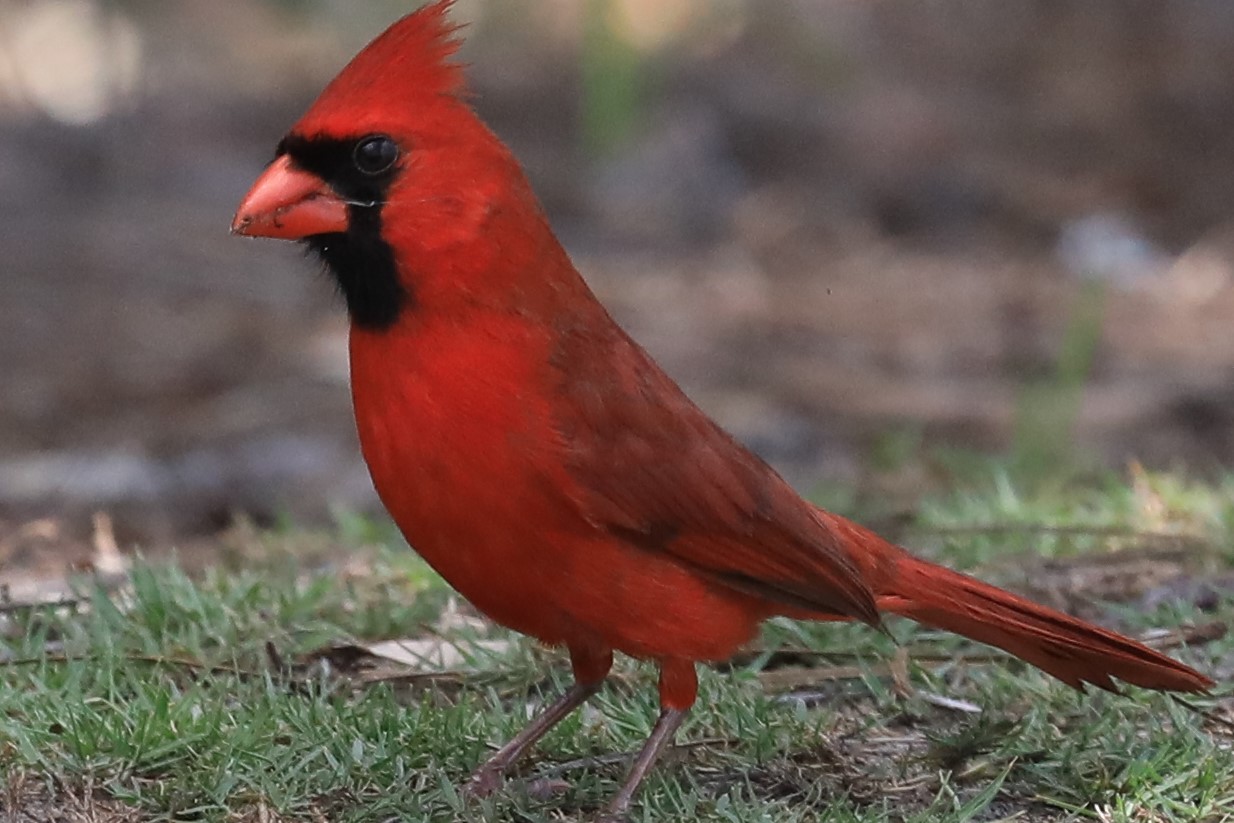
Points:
(361, 262)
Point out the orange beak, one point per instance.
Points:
(289, 204)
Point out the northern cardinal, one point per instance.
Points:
(539, 459)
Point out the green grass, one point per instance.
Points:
(165, 699)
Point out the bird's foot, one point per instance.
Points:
(544, 788)
(485, 781)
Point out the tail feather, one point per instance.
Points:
(1070, 649)
(1074, 651)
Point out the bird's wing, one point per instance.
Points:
(653, 470)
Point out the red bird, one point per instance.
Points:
(538, 458)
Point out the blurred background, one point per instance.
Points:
(863, 235)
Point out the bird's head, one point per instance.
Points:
(389, 172)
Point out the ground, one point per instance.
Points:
(331, 676)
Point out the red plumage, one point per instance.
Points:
(537, 457)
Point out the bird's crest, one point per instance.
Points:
(409, 66)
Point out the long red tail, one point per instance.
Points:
(1068, 648)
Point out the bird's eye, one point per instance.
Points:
(375, 154)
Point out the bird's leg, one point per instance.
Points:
(590, 668)
(661, 736)
(678, 689)
(489, 777)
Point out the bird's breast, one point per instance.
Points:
(459, 430)
(455, 423)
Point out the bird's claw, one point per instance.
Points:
(487, 781)
(484, 781)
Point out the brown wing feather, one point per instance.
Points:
(655, 471)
